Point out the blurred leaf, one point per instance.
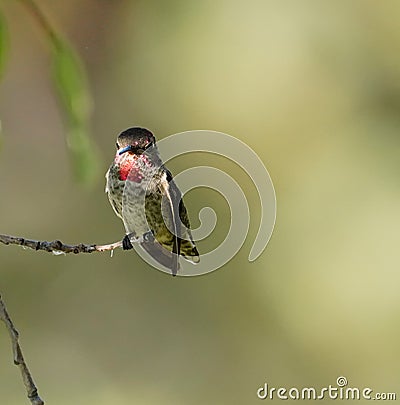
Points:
(3, 54)
(71, 81)
(3, 43)
(83, 154)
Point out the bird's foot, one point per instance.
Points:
(128, 239)
(126, 242)
(148, 237)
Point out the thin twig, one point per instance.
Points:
(19, 358)
(41, 18)
(57, 246)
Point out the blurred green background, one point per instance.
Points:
(314, 88)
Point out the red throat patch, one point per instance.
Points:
(129, 171)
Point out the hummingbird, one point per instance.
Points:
(144, 195)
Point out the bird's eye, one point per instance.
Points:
(117, 145)
(139, 151)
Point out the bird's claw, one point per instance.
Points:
(148, 236)
(128, 239)
(126, 243)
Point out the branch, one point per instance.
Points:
(152, 247)
(56, 246)
(19, 358)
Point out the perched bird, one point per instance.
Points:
(144, 195)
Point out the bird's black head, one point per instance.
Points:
(135, 140)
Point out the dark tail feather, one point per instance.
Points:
(176, 251)
(161, 255)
